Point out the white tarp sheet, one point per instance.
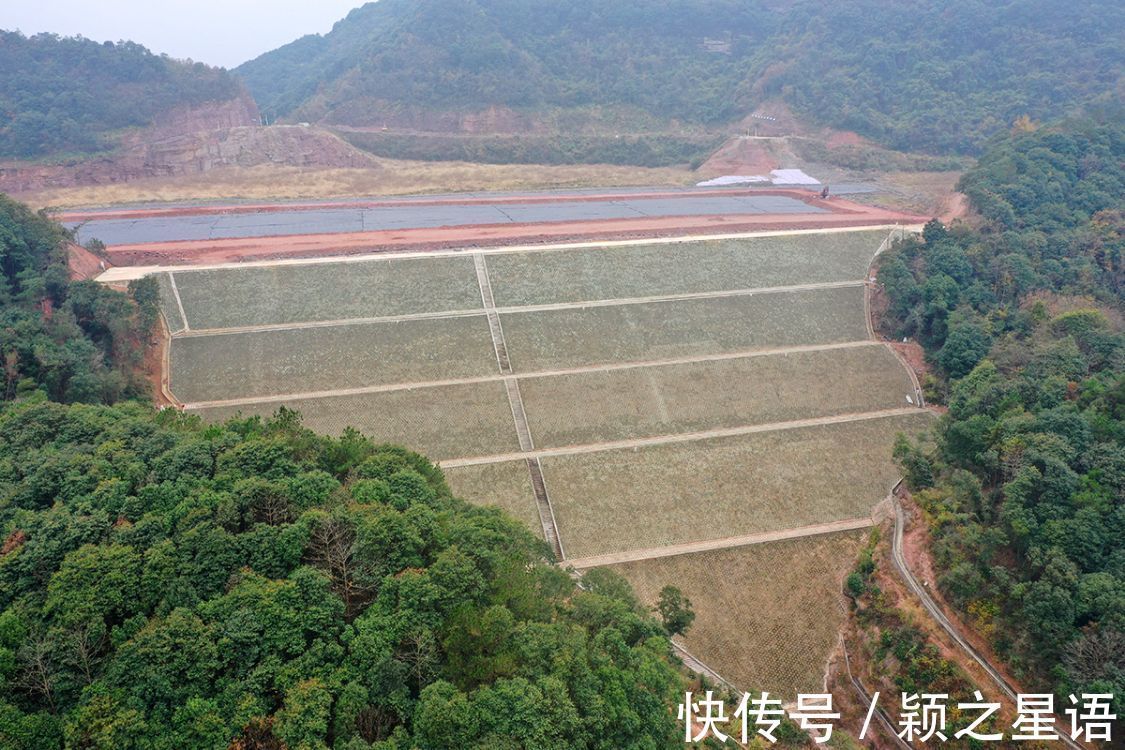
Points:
(734, 179)
(792, 177)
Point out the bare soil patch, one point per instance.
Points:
(741, 156)
(84, 264)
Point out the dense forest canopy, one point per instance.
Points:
(165, 584)
(1024, 319)
(475, 53)
(69, 95)
(930, 76)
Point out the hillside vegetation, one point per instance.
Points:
(167, 584)
(251, 585)
(71, 95)
(70, 341)
(1025, 489)
(930, 76)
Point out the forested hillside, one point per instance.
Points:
(930, 76)
(69, 95)
(75, 341)
(166, 584)
(252, 585)
(1023, 319)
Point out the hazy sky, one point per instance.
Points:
(219, 32)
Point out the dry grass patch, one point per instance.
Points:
(265, 363)
(551, 339)
(767, 615)
(389, 177)
(505, 485)
(654, 496)
(675, 268)
(227, 298)
(926, 193)
(645, 401)
(455, 421)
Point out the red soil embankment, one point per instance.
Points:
(318, 245)
(83, 264)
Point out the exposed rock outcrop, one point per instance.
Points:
(238, 112)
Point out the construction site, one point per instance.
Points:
(669, 383)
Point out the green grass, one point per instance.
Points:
(168, 303)
(227, 298)
(640, 402)
(552, 276)
(261, 363)
(550, 339)
(767, 615)
(614, 501)
(455, 421)
(505, 485)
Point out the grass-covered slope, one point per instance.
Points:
(930, 76)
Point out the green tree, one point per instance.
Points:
(964, 348)
(676, 613)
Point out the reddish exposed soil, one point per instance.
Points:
(843, 138)
(156, 366)
(954, 207)
(912, 353)
(191, 153)
(83, 264)
(740, 156)
(317, 245)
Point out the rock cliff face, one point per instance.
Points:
(191, 141)
(238, 112)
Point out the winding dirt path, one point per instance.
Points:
(935, 611)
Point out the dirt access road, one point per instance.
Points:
(935, 611)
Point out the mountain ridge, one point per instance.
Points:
(73, 96)
(930, 76)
